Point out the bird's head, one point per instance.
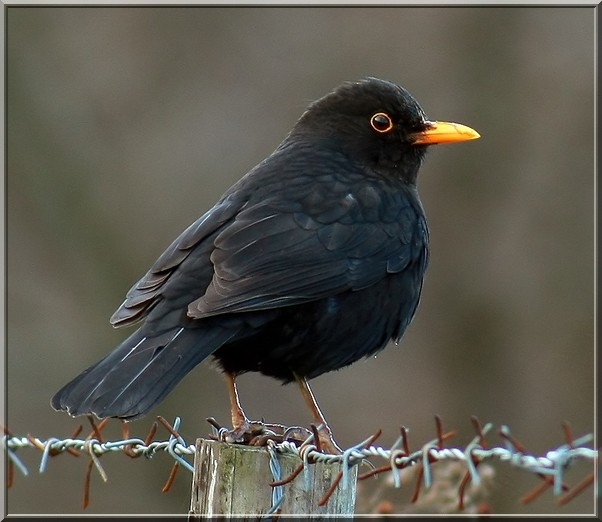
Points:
(379, 125)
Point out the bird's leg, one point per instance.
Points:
(243, 430)
(239, 419)
(327, 442)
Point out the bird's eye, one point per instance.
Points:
(381, 122)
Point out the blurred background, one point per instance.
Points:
(125, 124)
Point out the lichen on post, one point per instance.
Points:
(234, 479)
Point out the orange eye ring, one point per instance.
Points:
(381, 122)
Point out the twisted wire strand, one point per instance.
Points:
(553, 463)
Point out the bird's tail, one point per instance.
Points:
(139, 373)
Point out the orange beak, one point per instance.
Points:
(444, 132)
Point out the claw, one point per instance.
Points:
(245, 432)
(327, 442)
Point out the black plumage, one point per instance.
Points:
(313, 260)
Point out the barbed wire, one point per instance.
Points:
(550, 467)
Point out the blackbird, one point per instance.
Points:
(311, 261)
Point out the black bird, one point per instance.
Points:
(313, 260)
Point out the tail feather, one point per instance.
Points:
(139, 373)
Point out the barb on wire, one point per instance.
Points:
(549, 468)
(472, 462)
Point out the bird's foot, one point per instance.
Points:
(252, 433)
(257, 433)
(246, 432)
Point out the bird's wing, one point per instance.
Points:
(141, 298)
(269, 257)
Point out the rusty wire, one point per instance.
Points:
(550, 468)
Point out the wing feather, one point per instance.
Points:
(142, 297)
(290, 240)
(267, 258)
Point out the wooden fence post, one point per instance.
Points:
(232, 479)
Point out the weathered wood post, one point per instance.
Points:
(232, 479)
